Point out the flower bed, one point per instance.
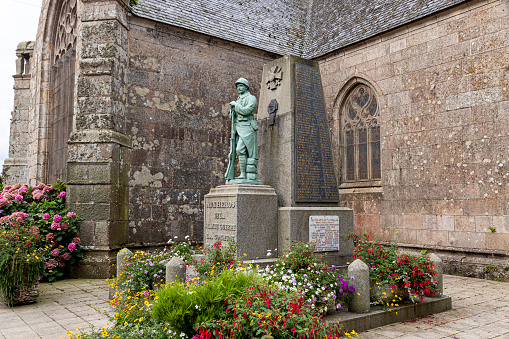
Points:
(43, 207)
(229, 299)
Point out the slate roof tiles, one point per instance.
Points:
(307, 28)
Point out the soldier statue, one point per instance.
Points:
(243, 141)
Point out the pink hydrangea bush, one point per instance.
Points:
(44, 207)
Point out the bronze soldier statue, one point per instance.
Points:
(243, 141)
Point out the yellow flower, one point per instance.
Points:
(125, 323)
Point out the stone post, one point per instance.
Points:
(438, 268)
(99, 148)
(359, 271)
(175, 270)
(122, 256)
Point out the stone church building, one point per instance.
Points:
(127, 103)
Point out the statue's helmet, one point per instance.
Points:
(242, 81)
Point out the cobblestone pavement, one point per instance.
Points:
(480, 310)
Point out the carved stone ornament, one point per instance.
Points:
(65, 32)
(272, 109)
(274, 78)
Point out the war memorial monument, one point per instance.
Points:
(286, 190)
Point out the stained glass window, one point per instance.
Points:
(361, 135)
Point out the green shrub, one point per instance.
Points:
(183, 306)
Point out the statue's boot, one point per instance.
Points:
(242, 165)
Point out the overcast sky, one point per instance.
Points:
(18, 22)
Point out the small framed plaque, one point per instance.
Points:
(324, 232)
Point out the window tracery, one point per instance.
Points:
(361, 135)
(66, 29)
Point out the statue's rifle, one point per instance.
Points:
(230, 171)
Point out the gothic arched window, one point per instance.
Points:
(361, 135)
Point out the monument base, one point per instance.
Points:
(246, 214)
(294, 225)
(243, 182)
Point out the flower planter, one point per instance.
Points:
(26, 295)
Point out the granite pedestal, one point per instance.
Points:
(246, 214)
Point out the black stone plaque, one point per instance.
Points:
(314, 170)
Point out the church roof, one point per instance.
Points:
(306, 28)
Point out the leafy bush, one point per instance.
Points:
(183, 306)
(58, 228)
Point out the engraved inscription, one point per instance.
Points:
(220, 221)
(221, 227)
(324, 232)
(220, 204)
(315, 179)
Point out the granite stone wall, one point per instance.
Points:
(442, 86)
(179, 87)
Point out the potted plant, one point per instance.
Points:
(21, 259)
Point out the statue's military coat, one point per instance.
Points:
(245, 124)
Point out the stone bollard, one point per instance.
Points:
(122, 256)
(438, 268)
(175, 270)
(360, 272)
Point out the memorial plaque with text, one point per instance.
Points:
(314, 178)
(324, 232)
